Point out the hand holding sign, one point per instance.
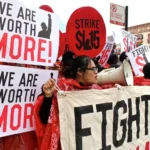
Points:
(49, 87)
(86, 32)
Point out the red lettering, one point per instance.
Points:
(40, 49)
(131, 46)
(128, 45)
(3, 44)
(105, 56)
(28, 116)
(138, 61)
(50, 51)
(29, 48)
(15, 115)
(3, 118)
(138, 148)
(147, 146)
(16, 47)
(125, 43)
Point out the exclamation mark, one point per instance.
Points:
(50, 52)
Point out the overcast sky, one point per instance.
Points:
(138, 10)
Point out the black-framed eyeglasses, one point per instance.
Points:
(92, 68)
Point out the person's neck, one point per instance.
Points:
(80, 81)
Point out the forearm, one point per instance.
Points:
(45, 109)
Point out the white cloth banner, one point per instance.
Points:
(28, 35)
(19, 87)
(138, 58)
(108, 119)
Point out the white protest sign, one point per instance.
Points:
(108, 119)
(28, 35)
(105, 53)
(110, 38)
(19, 87)
(117, 14)
(138, 58)
(128, 41)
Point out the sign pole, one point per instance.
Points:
(126, 24)
(126, 18)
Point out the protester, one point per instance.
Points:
(122, 57)
(113, 61)
(143, 80)
(83, 76)
(146, 71)
(66, 63)
(96, 61)
(114, 47)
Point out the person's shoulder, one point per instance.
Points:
(40, 32)
(68, 84)
(140, 80)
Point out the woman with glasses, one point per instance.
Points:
(83, 76)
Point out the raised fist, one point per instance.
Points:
(49, 87)
(49, 15)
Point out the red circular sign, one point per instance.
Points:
(46, 8)
(67, 48)
(62, 42)
(86, 32)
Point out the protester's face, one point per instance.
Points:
(90, 74)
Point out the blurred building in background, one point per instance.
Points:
(142, 32)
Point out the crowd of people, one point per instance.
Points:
(75, 73)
